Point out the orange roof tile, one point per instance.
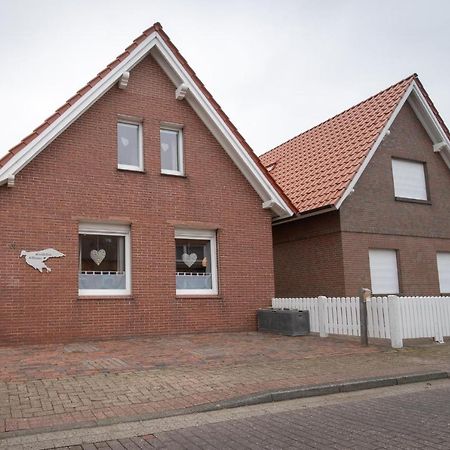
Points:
(315, 167)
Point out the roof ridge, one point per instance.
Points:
(411, 77)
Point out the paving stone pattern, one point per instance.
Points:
(59, 387)
(407, 421)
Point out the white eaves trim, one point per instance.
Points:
(427, 118)
(198, 101)
(178, 74)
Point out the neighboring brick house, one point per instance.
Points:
(372, 187)
(160, 207)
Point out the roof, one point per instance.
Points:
(317, 168)
(153, 40)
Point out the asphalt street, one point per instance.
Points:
(415, 416)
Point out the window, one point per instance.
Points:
(129, 146)
(383, 271)
(195, 262)
(443, 263)
(105, 260)
(409, 179)
(171, 138)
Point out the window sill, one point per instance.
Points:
(197, 297)
(106, 297)
(177, 175)
(413, 200)
(123, 169)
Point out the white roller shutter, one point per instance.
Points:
(383, 271)
(409, 179)
(443, 263)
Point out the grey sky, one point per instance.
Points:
(276, 67)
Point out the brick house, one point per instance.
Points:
(372, 189)
(137, 208)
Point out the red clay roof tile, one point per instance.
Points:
(315, 167)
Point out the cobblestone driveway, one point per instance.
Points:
(60, 387)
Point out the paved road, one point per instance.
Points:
(415, 416)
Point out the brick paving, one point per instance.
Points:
(103, 382)
(414, 420)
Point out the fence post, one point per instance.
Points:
(323, 316)
(364, 295)
(395, 321)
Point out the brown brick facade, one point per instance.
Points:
(76, 179)
(308, 257)
(416, 259)
(338, 264)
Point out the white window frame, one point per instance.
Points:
(109, 230)
(201, 235)
(140, 167)
(444, 284)
(371, 270)
(180, 153)
(396, 164)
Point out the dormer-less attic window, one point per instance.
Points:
(129, 146)
(409, 180)
(171, 137)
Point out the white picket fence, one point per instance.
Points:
(395, 318)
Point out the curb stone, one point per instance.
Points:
(247, 400)
(326, 389)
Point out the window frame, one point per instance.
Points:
(138, 123)
(107, 230)
(210, 235)
(441, 290)
(397, 266)
(426, 180)
(164, 126)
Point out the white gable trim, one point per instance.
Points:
(178, 74)
(426, 117)
(24, 156)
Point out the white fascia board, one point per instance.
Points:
(426, 117)
(220, 130)
(24, 156)
(374, 148)
(301, 216)
(429, 121)
(177, 74)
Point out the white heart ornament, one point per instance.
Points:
(98, 256)
(125, 141)
(189, 260)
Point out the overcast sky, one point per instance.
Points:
(276, 67)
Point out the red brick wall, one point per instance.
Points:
(372, 218)
(308, 257)
(76, 178)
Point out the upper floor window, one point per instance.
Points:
(129, 146)
(171, 138)
(409, 179)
